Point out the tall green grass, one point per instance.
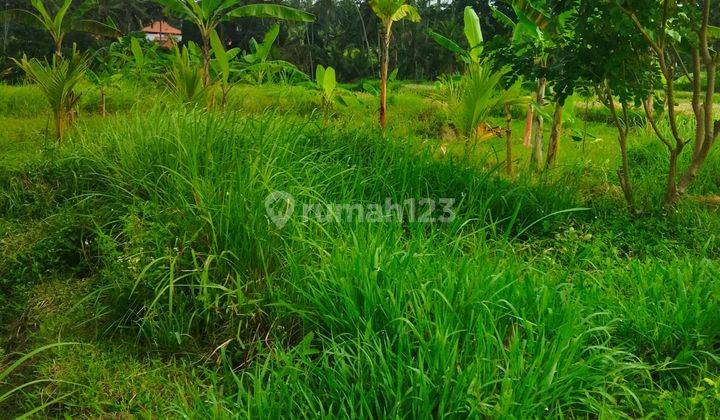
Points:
(517, 308)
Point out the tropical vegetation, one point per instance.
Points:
(383, 209)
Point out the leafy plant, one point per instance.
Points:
(221, 65)
(480, 94)
(186, 79)
(536, 32)
(105, 76)
(473, 35)
(208, 14)
(326, 82)
(58, 81)
(63, 21)
(389, 12)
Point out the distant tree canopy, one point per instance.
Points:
(345, 34)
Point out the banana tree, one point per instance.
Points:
(473, 35)
(389, 12)
(58, 81)
(221, 65)
(62, 22)
(208, 14)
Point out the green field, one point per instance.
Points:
(143, 239)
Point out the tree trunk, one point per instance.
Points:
(206, 59)
(508, 141)
(555, 135)
(671, 192)
(528, 126)
(60, 126)
(537, 138)
(624, 173)
(650, 101)
(103, 102)
(622, 128)
(706, 129)
(365, 36)
(384, 74)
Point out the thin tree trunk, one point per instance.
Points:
(384, 74)
(103, 102)
(650, 101)
(60, 126)
(537, 138)
(527, 136)
(671, 191)
(555, 135)
(508, 141)
(312, 62)
(365, 36)
(206, 59)
(624, 171)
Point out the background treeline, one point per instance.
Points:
(345, 35)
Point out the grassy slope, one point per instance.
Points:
(145, 237)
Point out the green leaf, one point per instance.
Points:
(137, 52)
(96, 28)
(713, 32)
(320, 75)
(264, 10)
(503, 18)
(446, 43)
(473, 32)
(329, 82)
(221, 56)
(406, 11)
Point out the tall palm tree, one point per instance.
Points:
(208, 14)
(389, 12)
(63, 21)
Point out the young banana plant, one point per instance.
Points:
(208, 14)
(389, 12)
(258, 58)
(221, 65)
(326, 82)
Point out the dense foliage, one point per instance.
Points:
(269, 219)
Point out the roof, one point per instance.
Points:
(161, 27)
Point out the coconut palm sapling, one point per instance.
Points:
(58, 81)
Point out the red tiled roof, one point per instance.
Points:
(161, 27)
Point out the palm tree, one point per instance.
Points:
(208, 14)
(61, 23)
(389, 12)
(58, 81)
